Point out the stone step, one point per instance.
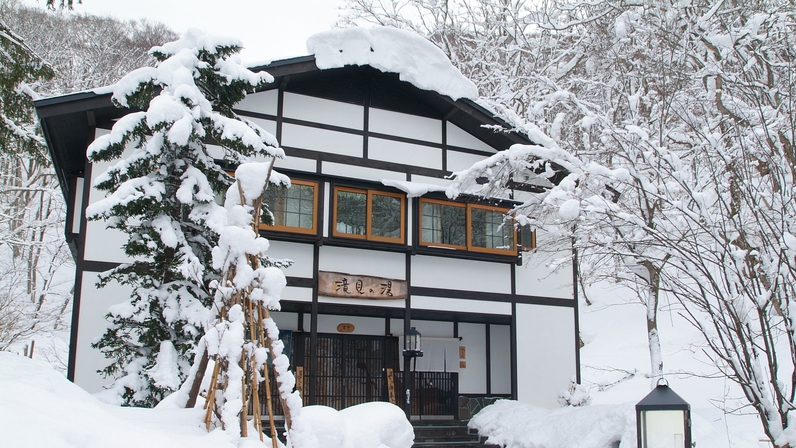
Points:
(454, 434)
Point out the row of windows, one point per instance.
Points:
(379, 216)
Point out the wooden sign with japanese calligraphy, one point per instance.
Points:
(335, 284)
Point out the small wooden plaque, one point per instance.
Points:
(345, 328)
(346, 286)
(462, 364)
(462, 352)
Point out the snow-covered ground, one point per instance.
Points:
(39, 408)
(614, 361)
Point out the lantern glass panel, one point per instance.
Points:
(662, 429)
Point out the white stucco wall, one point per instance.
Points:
(94, 304)
(459, 274)
(500, 358)
(472, 378)
(545, 353)
(536, 277)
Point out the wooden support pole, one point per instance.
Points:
(244, 427)
(211, 395)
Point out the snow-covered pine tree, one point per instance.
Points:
(162, 195)
(19, 68)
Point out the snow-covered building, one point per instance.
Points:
(372, 124)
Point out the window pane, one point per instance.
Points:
(443, 224)
(351, 211)
(386, 219)
(527, 238)
(488, 231)
(292, 207)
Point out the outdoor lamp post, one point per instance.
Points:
(411, 350)
(663, 419)
(412, 344)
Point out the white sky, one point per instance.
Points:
(269, 29)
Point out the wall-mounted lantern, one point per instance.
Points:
(412, 344)
(663, 419)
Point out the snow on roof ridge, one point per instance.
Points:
(414, 58)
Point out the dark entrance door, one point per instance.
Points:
(351, 369)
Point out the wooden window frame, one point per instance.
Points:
(447, 204)
(307, 231)
(368, 236)
(468, 228)
(487, 250)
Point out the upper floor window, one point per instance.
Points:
(478, 228)
(294, 209)
(369, 214)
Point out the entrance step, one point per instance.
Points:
(447, 434)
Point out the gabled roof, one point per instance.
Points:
(67, 120)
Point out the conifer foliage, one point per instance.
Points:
(19, 68)
(162, 196)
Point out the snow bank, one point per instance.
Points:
(367, 425)
(414, 58)
(510, 423)
(39, 408)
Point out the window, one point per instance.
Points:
(527, 238)
(294, 209)
(443, 224)
(368, 214)
(478, 228)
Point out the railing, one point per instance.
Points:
(431, 394)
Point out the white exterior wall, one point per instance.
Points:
(472, 378)
(458, 274)
(534, 277)
(301, 255)
(362, 262)
(461, 305)
(285, 321)
(262, 102)
(545, 353)
(318, 110)
(458, 161)
(404, 153)
(500, 358)
(456, 136)
(77, 204)
(94, 304)
(405, 125)
(321, 140)
(102, 244)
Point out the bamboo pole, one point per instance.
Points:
(258, 421)
(211, 395)
(244, 428)
(268, 404)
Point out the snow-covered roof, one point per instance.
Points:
(393, 50)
